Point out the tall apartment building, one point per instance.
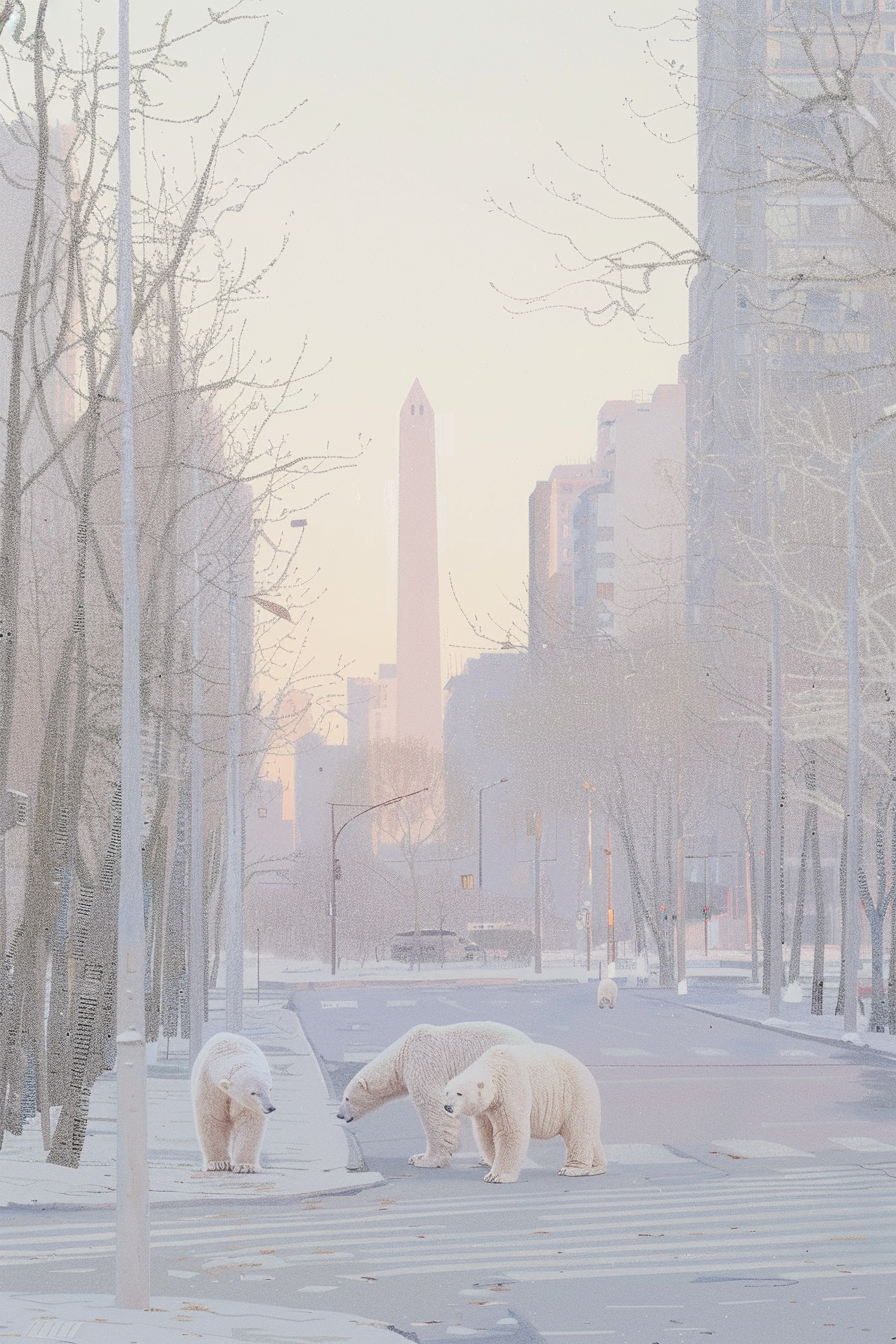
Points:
(632, 556)
(373, 707)
(792, 331)
(552, 555)
(607, 537)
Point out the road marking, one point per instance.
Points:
(797, 1054)
(318, 1288)
(339, 1003)
(707, 1050)
(627, 1051)
(642, 1154)
(745, 1301)
(861, 1144)
(757, 1148)
(851, 1297)
(53, 1329)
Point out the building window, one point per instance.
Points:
(421, 410)
(262, 811)
(604, 592)
(413, 409)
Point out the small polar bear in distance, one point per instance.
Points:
(231, 1090)
(518, 1092)
(607, 992)
(419, 1065)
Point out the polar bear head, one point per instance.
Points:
(248, 1089)
(358, 1099)
(471, 1092)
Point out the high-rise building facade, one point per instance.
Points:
(792, 329)
(419, 652)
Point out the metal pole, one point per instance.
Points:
(706, 905)
(258, 965)
(196, 950)
(538, 921)
(332, 888)
(680, 921)
(481, 792)
(611, 924)
(850, 931)
(590, 896)
(132, 1174)
(233, 1014)
(776, 804)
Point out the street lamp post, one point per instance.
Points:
(132, 1170)
(481, 792)
(851, 928)
(334, 862)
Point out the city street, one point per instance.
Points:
(750, 1191)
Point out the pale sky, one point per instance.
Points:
(392, 255)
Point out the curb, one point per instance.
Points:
(357, 1161)
(796, 1035)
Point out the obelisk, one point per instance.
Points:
(419, 637)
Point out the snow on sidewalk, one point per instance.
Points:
(306, 1150)
(92, 1319)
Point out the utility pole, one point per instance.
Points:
(481, 792)
(680, 921)
(233, 1013)
(851, 931)
(611, 923)
(776, 806)
(196, 949)
(132, 1172)
(538, 913)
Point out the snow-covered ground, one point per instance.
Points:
(305, 1151)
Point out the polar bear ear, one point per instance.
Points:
(224, 1084)
(362, 1082)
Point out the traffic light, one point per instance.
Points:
(337, 869)
(467, 882)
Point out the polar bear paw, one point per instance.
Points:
(217, 1166)
(499, 1178)
(243, 1167)
(423, 1160)
(578, 1171)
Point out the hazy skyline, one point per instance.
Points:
(390, 271)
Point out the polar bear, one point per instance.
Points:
(419, 1065)
(514, 1092)
(607, 992)
(231, 1090)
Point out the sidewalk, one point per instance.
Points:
(795, 1019)
(306, 1150)
(91, 1318)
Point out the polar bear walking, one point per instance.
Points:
(231, 1089)
(607, 993)
(518, 1092)
(419, 1065)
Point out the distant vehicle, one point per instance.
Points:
(433, 945)
(505, 940)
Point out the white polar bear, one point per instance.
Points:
(607, 992)
(518, 1092)
(419, 1065)
(231, 1089)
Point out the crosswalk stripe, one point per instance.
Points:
(770, 1196)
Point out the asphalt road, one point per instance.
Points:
(750, 1193)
